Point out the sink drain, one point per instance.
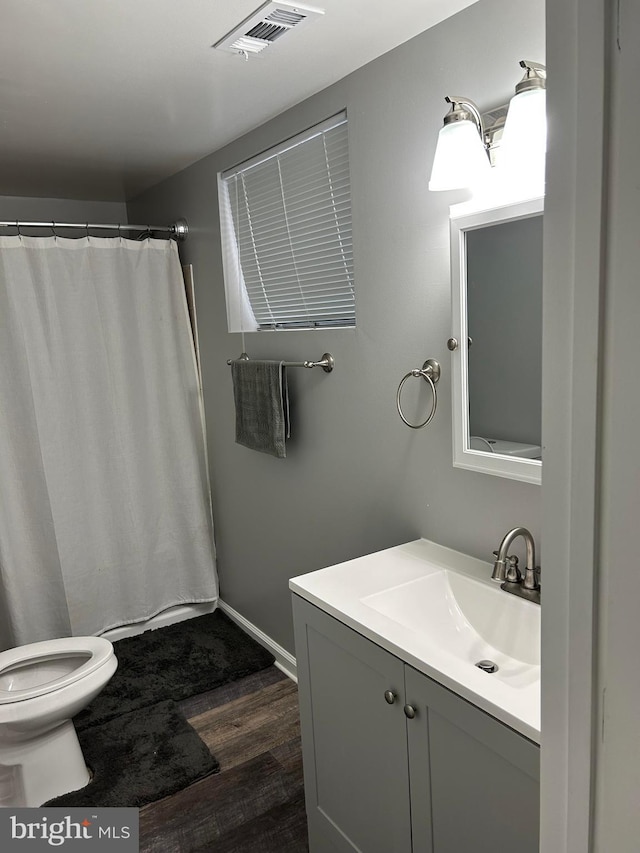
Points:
(487, 666)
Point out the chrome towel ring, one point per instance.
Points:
(430, 372)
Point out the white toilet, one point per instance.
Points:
(43, 685)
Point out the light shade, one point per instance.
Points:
(524, 141)
(460, 160)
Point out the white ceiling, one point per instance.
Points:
(101, 99)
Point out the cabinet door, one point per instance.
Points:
(353, 741)
(480, 777)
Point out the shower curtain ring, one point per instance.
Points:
(53, 229)
(86, 225)
(19, 231)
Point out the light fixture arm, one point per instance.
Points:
(463, 109)
(535, 76)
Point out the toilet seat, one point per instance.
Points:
(98, 649)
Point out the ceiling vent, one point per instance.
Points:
(267, 24)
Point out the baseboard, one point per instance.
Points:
(284, 661)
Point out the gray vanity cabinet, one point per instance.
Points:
(446, 779)
(354, 742)
(479, 779)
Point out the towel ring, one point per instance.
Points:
(430, 372)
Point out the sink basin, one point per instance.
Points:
(469, 620)
(437, 610)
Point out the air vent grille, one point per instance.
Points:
(266, 32)
(265, 26)
(288, 19)
(245, 44)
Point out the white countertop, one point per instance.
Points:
(339, 590)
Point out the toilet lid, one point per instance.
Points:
(98, 650)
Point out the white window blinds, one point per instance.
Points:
(286, 233)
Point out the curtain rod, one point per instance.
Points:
(179, 229)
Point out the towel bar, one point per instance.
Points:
(327, 362)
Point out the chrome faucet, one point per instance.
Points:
(507, 573)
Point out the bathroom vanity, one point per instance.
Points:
(407, 744)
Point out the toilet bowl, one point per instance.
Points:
(43, 685)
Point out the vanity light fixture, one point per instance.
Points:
(469, 144)
(524, 140)
(461, 157)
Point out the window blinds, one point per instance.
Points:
(289, 217)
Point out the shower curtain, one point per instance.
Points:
(105, 512)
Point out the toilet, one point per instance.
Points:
(42, 686)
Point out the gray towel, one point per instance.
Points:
(262, 405)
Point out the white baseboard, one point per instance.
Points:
(284, 661)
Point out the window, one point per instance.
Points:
(286, 234)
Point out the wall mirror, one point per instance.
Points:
(496, 342)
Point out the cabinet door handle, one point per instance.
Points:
(409, 711)
(389, 697)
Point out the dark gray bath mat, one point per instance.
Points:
(175, 662)
(140, 757)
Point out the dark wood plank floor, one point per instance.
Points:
(256, 803)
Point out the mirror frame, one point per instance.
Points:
(467, 217)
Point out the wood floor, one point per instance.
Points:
(256, 803)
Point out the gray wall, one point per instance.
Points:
(579, 33)
(617, 824)
(356, 479)
(60, 210)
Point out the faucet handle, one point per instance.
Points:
(513, 572)
(506, 569)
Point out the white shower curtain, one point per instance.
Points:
(104, 499)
